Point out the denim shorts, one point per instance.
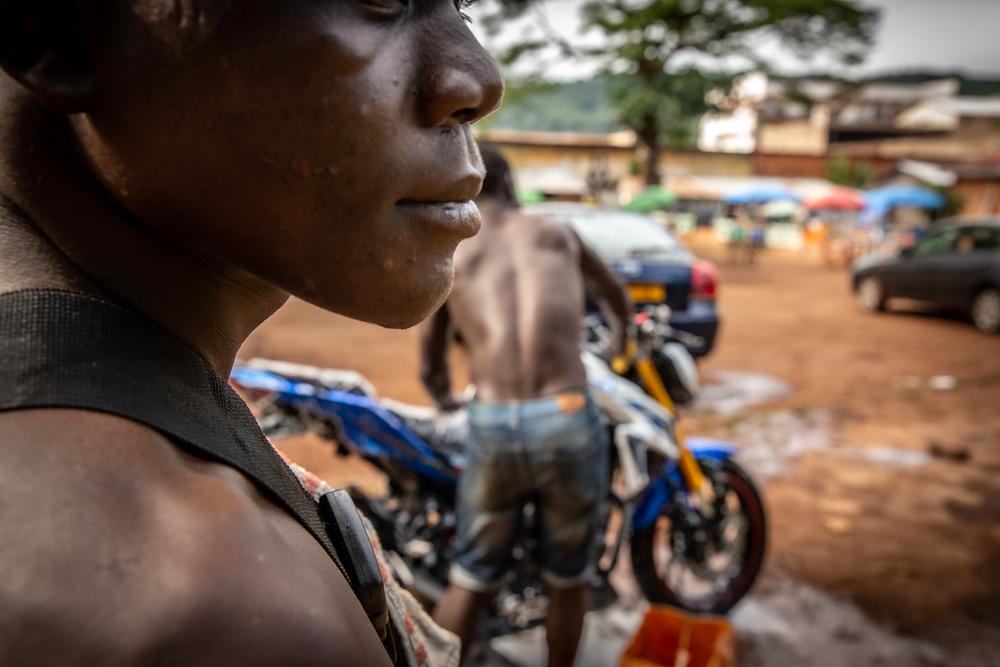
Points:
(551, 452)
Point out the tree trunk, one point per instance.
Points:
(649, 135)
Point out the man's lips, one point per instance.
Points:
(461, 218)
(446, 204)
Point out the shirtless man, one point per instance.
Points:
(518, 305)
(170, 170)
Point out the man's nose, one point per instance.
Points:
(464, 86)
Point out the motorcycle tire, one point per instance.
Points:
(656, 590)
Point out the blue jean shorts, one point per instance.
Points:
(551, 452)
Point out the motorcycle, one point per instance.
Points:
(691, 517)
(666, 346)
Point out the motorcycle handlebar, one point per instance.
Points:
(651, 327)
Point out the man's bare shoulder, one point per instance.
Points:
(119, 547)
(544, 230)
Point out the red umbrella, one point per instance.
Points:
(839, 199)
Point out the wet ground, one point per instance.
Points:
(876, 440)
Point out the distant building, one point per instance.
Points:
(926, 120)
(949, 129)
(873, 111)
(770, 116)
(566, 165)
(786, 129)
(732, 132)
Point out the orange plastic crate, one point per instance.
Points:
(672, 638)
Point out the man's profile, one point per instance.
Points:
(535, 433)
(170, 171)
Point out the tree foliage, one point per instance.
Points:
(640, 41)
(842, 171)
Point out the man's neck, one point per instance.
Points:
(59, 228)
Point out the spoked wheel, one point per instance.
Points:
(704, 565)
(871, 295)
(986, 310)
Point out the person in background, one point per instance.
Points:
(535, 432)
(756, 236)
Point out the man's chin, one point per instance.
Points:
(394, 307)
(414, 311)
(404, 317)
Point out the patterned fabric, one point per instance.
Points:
(425, 644)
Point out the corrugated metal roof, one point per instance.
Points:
(984, 107)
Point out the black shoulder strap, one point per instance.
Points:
(62, 349)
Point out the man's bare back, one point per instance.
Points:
(519, 310)
(517, 305)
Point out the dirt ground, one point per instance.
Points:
(891, 503)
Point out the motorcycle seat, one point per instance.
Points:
(334, 379)
(446, 432)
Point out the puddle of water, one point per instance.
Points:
(606, 633)
(728, 392)
(795, 624)
(888, 456)
(771, 442)
(786, 623)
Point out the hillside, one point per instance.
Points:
(583, 106)
(578, 106)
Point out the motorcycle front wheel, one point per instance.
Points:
(709, 567)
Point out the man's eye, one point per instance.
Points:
(387, 7)
(464, 4)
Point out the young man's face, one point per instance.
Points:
(322, 145)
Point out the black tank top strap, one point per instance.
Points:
(61, 349)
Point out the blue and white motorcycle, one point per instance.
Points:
(689, 515)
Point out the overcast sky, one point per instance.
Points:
(939, 34)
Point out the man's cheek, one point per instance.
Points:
(329, 38)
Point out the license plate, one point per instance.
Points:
(648, 293)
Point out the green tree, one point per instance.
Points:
(641, 40)
(842, 171)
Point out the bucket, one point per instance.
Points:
(669, 637)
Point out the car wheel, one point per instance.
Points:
(871, 296)
(986, 310)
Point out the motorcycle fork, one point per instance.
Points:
(690, 470)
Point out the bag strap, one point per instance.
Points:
(68, 350)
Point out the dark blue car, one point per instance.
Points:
(956, 265)
(657, 268)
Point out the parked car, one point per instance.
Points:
(956, 265)
(657, 268)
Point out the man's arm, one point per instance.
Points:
(435, 333)
(604, 285)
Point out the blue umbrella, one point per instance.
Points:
(910, 196)
(762, 194)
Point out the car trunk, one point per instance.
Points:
(650, 278)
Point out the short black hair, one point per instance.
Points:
(497, 169)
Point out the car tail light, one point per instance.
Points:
(704, 280)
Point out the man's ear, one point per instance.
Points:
(42, 47)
